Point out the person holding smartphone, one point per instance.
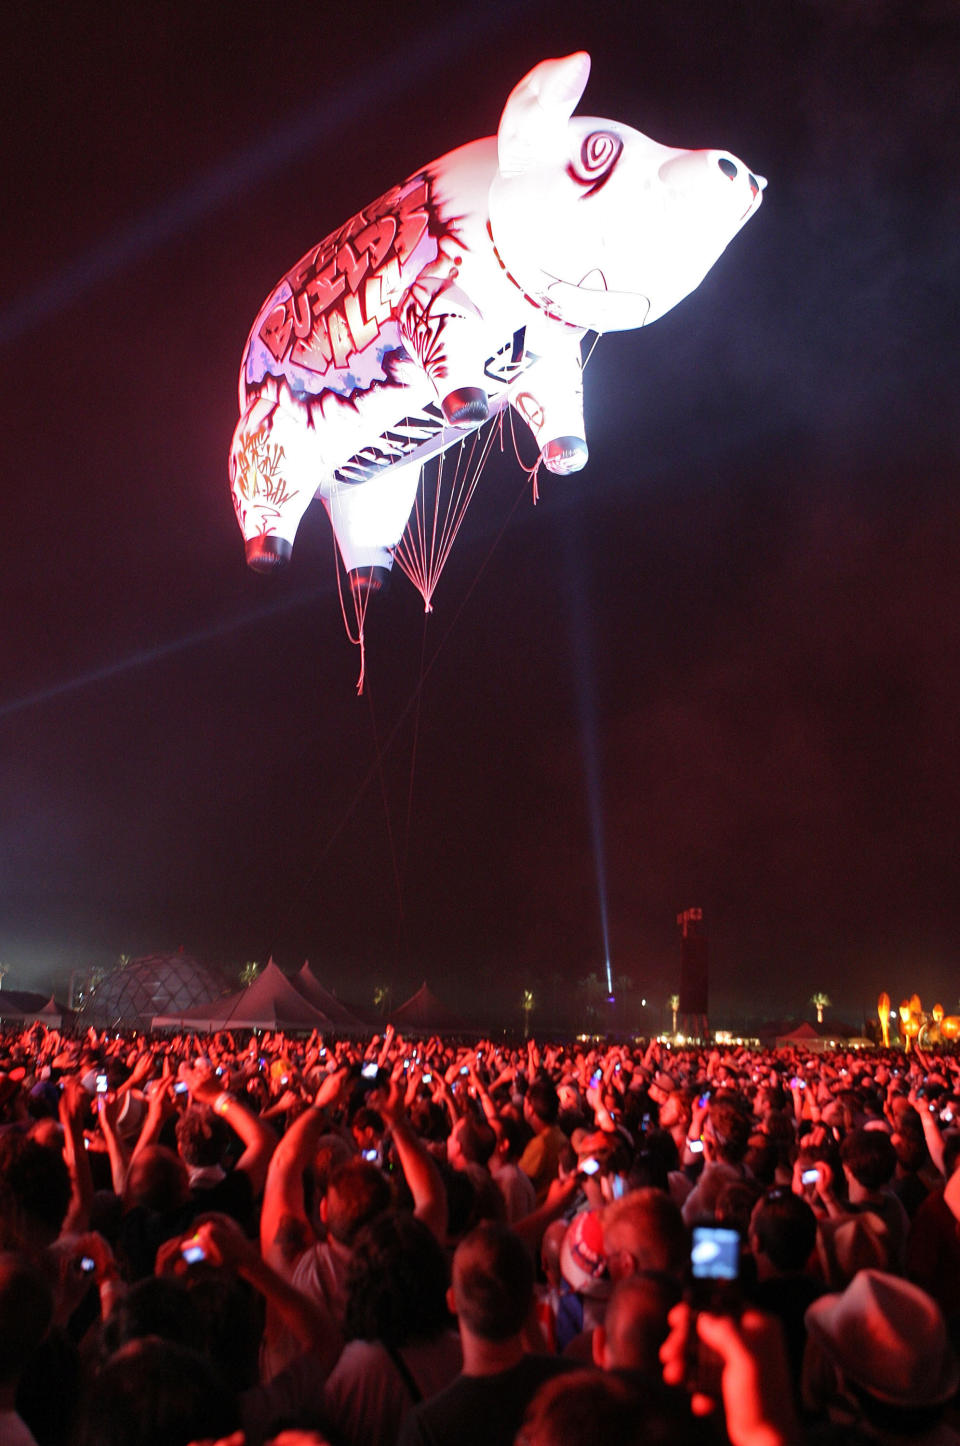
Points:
(755, 1397)
(782, 1238)
(676, 1116)
(540, 1161)
(726, 1137)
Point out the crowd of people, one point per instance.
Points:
(261, 1238)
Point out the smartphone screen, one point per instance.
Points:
(715, 1253)
(192, 1253)
(101, 1084)
(810, 1177)
(369, 1071)
(590, 1166)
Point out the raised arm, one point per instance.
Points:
(260, 1140)
(118, 1152)
(73, 1104)
(285, 1230)
(419, 1170)
(532, 1226)
(486, 1102)
(160, 1106)
(930, 1124)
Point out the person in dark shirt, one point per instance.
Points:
(782, 1236)
(491, 1296)
(908, 1184)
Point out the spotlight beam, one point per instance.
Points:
(586, 711)
(146, 656)
(395, 76)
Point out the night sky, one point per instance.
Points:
(719, 667)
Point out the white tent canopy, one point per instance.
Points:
(270, 1002)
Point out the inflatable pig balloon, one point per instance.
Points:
(466, 288)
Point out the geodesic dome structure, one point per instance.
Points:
(156, 984)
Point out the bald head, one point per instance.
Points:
(635, 1325)
(492, 1282)
(645, 1232)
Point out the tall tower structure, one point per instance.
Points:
(694, 972)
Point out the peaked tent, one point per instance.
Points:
(806, 1034)
(307, 983)
(270, 1002)
(54, 1014)
(804, 1030)
(423, 1013)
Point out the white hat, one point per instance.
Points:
(583, 1261)
(888, 1337)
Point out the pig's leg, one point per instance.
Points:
(275, 468)
(368, 518)
(549, 398)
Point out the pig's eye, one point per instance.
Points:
(599, 154)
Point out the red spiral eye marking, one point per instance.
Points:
(599, 154)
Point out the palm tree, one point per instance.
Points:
(382, 996)
(673, 1004)
(594, 994)
(527, 1004)
(4, 970)
(820, 1002)
(249, 972)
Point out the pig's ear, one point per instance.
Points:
(534, 121)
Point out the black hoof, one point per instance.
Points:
(368, 581)
(564, 455)
(266, 554)
(466, 406)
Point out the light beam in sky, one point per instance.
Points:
(396, 75)
(586, 710)
(146, 656)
